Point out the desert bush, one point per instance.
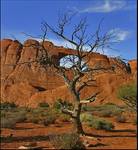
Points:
(92, 108)
(43, 116)
(43, 104)
(96, 122)
(98, 108)
(38, 110)
(27, 109)
(51, 117)
(106, 110)
(59, 103)
(64, 117)
(7, 123)
(36, 115)
(66, 141)
(33, 119)
(128, 93)
(106, 113)
(7, 105)
(20, 117)
(114, 109)
(18, 113)
(121, 119)
(49, 120)
(14, 118)
(87, 108)
(85, 117)
(2, 113)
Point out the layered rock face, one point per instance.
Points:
(133, 65)
(28, 84)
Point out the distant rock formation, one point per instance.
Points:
(29, 84)
(133, 65)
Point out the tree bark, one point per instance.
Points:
(76, 118)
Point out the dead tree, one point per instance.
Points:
(82, 74)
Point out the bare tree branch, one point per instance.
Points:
(67, 111)
(92, 98)
(79, 75)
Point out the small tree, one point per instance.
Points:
(128, 93)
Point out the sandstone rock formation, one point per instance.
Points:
(133, 65)
(28, 84)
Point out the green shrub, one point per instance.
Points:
(66, 141)
(8, 123)
(106, 113)
(43, 116)
(49, 120)
(106, 110)
(2, 113)
(16, 115)
(64, 117)
(38, 110)
(114, 109)
(33, 119)
(59, 103)
(128, 93)
(20, 117)
(87, 108)
(34, 115)
(121, 119)
(51, 117)
(7, 105)
(85, 117)
(44, 104)
(96, 122)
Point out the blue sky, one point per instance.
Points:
(26, 16)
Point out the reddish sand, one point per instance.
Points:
(122, 137)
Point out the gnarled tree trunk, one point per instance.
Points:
(76, 118)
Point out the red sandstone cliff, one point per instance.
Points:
(30, 84)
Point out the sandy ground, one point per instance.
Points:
(122, 137)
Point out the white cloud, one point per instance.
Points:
(120, 34)
(107, 6)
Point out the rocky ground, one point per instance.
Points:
(123, 136)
